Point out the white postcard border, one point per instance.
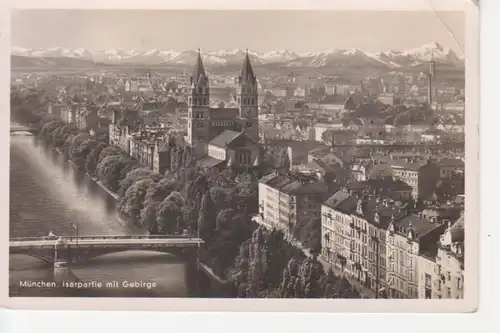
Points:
(468, 304)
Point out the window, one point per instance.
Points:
(427, 279)
(449, 276)
(448, 292)
(428, 293)
(439, 286)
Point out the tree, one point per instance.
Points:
(160, 190)
(206, 218)
(168, 215)
(109, 171)
(310, 272)
(328, 285)
(290, 281)
(132, 202)
(109, 151)
(177, 198)
(47, 130)
(129, 165)
(308, 232)
(65, 148)
(92, 159)
(257, 263)
(132, 177)
(240, 274)
(224, 219)
(302, 279)
(60, 135)
(79, 155)
(77, 141)
(148, 217)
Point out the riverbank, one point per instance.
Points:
(101, 185)
(207, 270)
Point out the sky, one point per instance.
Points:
(261, 31)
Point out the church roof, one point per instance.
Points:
(199, 70)
(247, 74)
(223, 139)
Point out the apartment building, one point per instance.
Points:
(441, 272)
(422, 176)
(150, 149)
(354, 238)
(408, 237)
(290, 199)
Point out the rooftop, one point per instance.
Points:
(420, 226)
(208, 162)
(373, 209)
(451, 162)
(294, 185)
(380, 184)
(223, 139)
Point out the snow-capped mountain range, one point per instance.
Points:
(329, 58)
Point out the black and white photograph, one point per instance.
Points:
(237, 154)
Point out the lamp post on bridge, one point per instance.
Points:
(75, 226)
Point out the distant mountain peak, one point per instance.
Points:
(282, 57)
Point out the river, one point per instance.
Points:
(48, 194)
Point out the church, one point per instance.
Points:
(224, 136)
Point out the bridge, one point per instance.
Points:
(80, 249)
(16, 128)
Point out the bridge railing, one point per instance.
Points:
(95, 237)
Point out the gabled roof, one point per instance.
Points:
(223, 139)
(419, 225)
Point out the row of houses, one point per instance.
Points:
(373, 233)
(393, 251)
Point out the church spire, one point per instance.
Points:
(247, 74)
(199, 70)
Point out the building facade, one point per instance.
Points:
(421, 176)
(408, 237)
(442, 271)
(354, 238)
(286, 201)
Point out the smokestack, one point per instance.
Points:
(431, 76)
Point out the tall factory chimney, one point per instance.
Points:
(431, 80)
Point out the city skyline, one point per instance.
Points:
(133, 30)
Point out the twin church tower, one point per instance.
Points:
(206, 124)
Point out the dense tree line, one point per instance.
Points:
(217, 206)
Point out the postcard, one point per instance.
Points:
(204, 159)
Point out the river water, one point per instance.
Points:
(48, 194)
